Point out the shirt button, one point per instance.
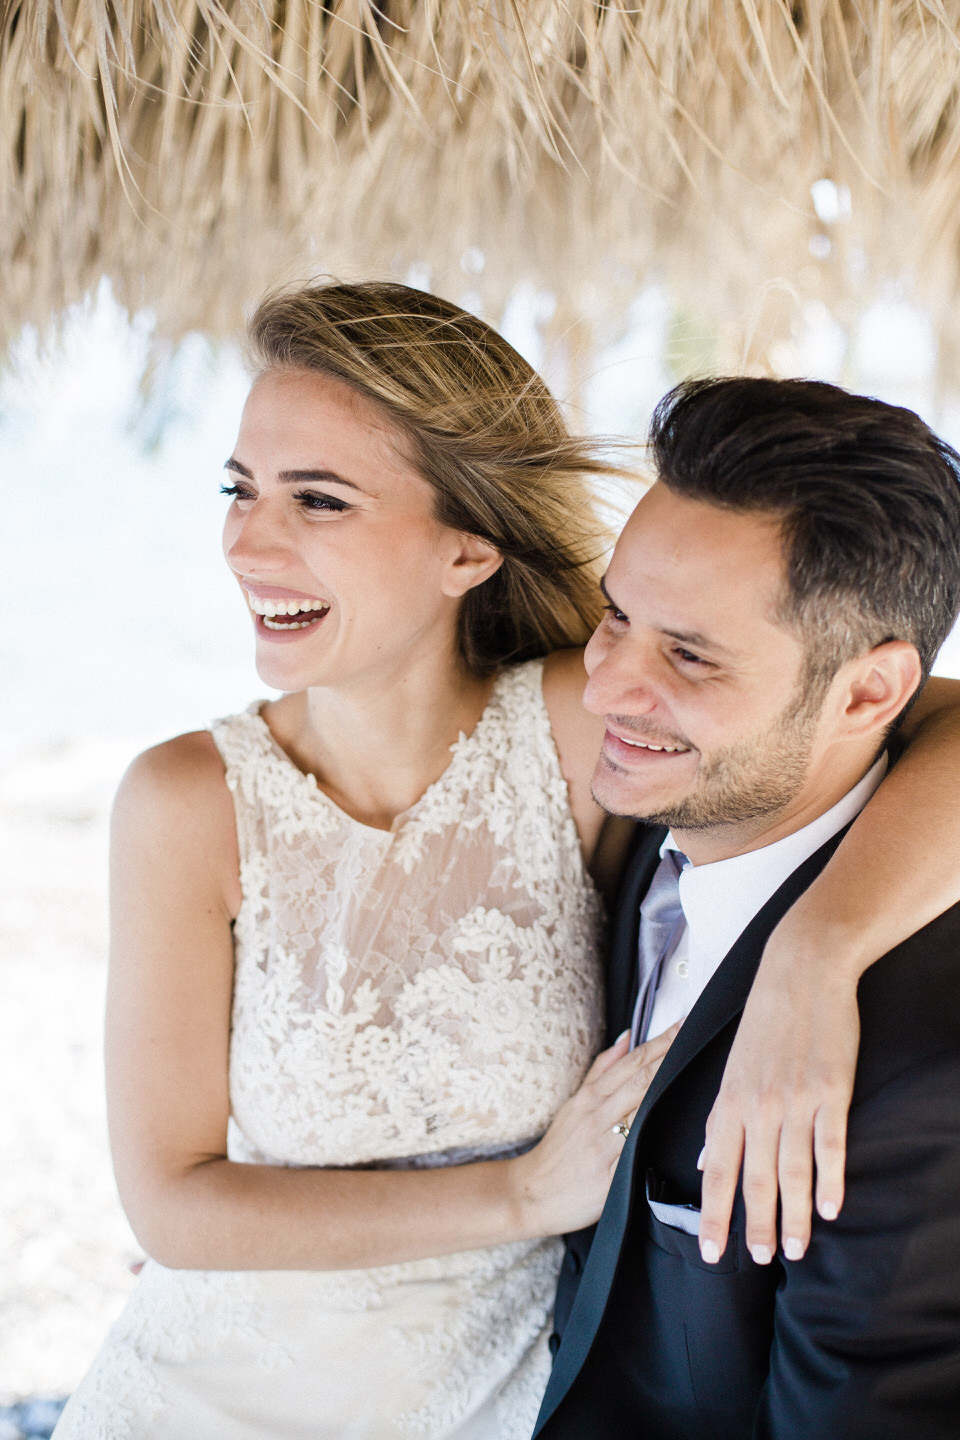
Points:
(683, 969)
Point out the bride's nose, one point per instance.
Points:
(256, 541)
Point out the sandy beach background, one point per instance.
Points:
(119, 627)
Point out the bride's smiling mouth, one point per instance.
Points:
(284, 614)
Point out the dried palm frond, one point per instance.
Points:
(197, 151)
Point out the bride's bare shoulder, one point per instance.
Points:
(576, 731)
(577, 736)
(174, 825)
(176, 795)
(187, 769)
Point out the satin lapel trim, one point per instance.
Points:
(722, 1000)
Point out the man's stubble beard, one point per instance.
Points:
(751, 779)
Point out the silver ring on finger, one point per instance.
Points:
(622, 1129)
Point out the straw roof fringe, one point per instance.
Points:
(198, 151)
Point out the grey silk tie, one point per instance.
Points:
(660, 916)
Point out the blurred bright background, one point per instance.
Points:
(120, 626)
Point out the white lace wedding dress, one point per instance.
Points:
(418, 996)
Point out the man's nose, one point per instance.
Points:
(620, 680)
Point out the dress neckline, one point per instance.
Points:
(461, 748)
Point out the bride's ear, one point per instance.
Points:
(473, 561)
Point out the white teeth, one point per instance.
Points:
(648, 745)
(270, 608)
(297, 624)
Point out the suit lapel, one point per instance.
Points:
(721, 1002)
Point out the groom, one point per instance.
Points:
(775, 601)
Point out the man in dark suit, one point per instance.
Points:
(775, 601)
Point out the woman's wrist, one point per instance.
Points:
(523, 1197)
(833, 952)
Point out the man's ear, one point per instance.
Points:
(878, 685)
(473, 561)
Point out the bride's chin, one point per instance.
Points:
(287, 677)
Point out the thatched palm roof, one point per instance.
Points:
(197, 151)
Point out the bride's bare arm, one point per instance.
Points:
(175, 892)
(782, 1107)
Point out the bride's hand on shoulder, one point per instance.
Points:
(782, 1108)
(563, 1181)
(788, 1084)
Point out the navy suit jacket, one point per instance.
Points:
(860, 1340)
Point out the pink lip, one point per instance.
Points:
(286, 637)
(625, 753)
(278, 592)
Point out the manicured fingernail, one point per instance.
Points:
(793, 1249)
(710, 1252)
(622, 1036)
(702, 1158)
(762, 1254)
(828, 1210)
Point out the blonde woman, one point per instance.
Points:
(355, 981)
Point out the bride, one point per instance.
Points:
(355, 980)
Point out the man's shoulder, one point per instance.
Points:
(908, 970)
(910, 1002)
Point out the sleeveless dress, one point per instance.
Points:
(420, 996)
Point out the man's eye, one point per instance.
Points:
(688, 657)
(615, 614)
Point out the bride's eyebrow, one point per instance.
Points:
(297, 477)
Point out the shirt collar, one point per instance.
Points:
(720, 899)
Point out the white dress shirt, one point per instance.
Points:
(720, 899)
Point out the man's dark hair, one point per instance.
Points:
(868, 497)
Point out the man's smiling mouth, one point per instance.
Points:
(623, 735)
(649, 745)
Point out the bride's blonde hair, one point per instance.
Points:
(483, 430)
